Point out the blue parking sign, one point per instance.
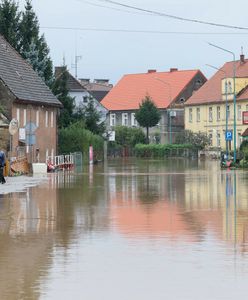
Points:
(228, 135)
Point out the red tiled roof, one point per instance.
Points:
(211, 90)
(162, 87)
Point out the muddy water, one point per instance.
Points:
(128, 230)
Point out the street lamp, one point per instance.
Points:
(226, 101)
(168, 111)
(234, 97)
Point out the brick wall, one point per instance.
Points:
(4, 138)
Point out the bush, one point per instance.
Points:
(76, 138)
(161, 150)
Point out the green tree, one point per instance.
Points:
(10, 22)
(32, 46)
(60, 90)
(197, 139)
(92, 118)
(148, 115)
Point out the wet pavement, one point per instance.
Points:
(129, 229)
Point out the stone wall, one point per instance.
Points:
(4, 138)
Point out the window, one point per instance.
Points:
(190, 115)
(246, 107)
(85, 99)
(198, 114)
(218, 113)
(228, 111)
(112, 118)
(210, 114)
(24, 117)
(218, 139)
(210, 139)
(133, 120)
(18, 115)
(47, 153)
(239, 112)
(46, 119)
(37, 117)
(124, 119)
(52, 119)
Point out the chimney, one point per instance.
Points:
(173, 69)
(242, 58)
(151, 71)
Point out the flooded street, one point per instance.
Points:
(131, 229)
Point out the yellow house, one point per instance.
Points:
(211, 108)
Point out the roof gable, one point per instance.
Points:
(211, 92)
(20, 78)
(162, 87)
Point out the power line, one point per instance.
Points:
(109, 7)
(161, 14)
(142, 31)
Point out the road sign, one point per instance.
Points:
(13, 126)
(228, 135)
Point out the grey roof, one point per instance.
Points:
(23, 82)
(73, 84)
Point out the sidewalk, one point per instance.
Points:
(20, 183)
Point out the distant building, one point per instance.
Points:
(25, 97)
(82, 90)
(168, 90)
(207, 109)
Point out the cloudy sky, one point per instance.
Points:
(111, 54)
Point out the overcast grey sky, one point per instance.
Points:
(112, 54)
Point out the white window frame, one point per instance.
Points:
(52, 119)
(210, 114)
(112, 119)
(24, 117)
(37, 117)
(133, 120)
(239, 109)
(218, 113)
(190, 115)
(18, 115)
(198, 114)
(46, 119)
(124, 119)
(218, 137)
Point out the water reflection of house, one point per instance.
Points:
(219, 201)
(27, 228)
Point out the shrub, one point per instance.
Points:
(160, 150)
(76, 138)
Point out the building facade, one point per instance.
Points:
(211, 109)
(168, 90)
(25, 98)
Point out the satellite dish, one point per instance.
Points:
(13, 126)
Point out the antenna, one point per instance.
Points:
(63, 59)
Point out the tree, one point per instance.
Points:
(148, 115)
(21, 30)
(198, 139)
(92, 118)
(59, 88)
(10, 22)
(32, 46)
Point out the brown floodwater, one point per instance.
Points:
(129, 229)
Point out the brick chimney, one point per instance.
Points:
(152, 71)
(173, 69)
(242, 58)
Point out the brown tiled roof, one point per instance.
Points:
(210, 92)
(22, 81)
(98, 90)
(162, 87)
